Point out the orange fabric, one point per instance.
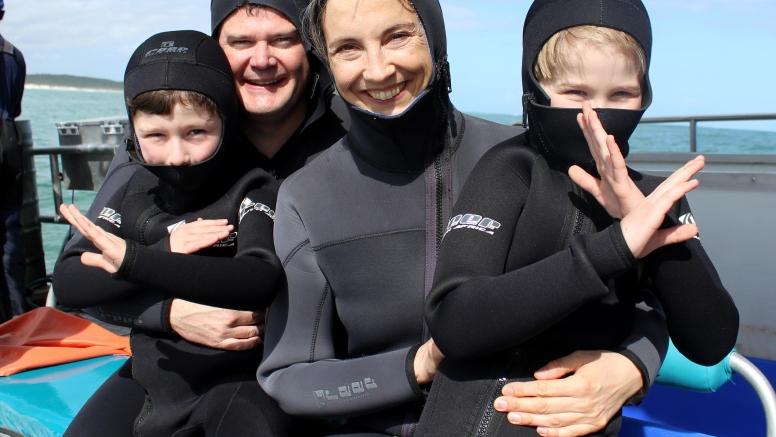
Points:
(47, 337)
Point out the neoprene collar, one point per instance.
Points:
(554, 131)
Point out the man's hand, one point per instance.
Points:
(216, 327)
(195, 236)
(581, 404)
(427, 361)
(112, 248)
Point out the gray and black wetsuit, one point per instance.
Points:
(357, 231)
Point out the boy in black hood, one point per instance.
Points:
(192, 224)
(532, 264)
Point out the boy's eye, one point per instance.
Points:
(576, 92)
(197, 131)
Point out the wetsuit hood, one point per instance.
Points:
(220, 10)
(554, 131)
(404, 142)
(183, 60)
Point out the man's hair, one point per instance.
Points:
(161, 102)
(312, 24)
(553, 59)
(249, 8)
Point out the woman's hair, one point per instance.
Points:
(161, 102)
(312, 24)
(553, 60)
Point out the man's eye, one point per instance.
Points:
(400, 35)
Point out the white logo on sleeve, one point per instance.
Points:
(473, 221)
(111, 216)
(347, 392)
(688, 219)
(172, 228)
(248, 205)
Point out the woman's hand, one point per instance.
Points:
(217, 327)
(581, 404)
(112, 247)
(641, 227)
(615, 191)
(195, 236)
(427, 361)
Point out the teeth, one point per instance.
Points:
(386, 95)
(269, 82)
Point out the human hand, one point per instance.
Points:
(615, 191)
(581, 404)
(427, 361)
(112, 248)
(217, 327)
(641, 227)
(195, 236)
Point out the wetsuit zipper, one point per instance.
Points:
(490, 410)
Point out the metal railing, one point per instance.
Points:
(56, 178)
(693, 120)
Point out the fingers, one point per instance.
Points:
(677, 234)
(588, 183)
(682, 175)
(233, 344)
(97, 260)
(569, 364)
(541, 388)
(243, 332)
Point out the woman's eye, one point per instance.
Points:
(344, 48)
(399, 35)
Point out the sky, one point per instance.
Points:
(709, 56)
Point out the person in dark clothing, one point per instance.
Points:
(534, 265)
(346, 337)
(13, 70)
(194, 222)
(281, 135)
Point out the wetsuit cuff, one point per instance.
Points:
(163, 245)
(409, 367)
(605, 252)
(618, 239)
(646, 384)
(166, 308)
(129, 261)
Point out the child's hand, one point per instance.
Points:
(615, 191)
(641, 227)
(112, 247)
(427, 361)
(195, 236)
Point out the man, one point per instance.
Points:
(289, 115)
(12, 74)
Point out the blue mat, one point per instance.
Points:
(42, 402)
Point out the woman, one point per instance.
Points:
(347, 338)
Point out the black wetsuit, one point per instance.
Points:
(535, 269)
(342, 338)
(181, 388)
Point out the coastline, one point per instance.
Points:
(35, 86)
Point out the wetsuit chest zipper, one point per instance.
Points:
(490, 410)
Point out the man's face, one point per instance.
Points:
(268, 60)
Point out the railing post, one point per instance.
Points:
(35, 261)
(56, 186)
(693, 135)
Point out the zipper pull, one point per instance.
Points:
(527, 98)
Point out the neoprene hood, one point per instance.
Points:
(221, 9)
(183, 60)
(554, 131)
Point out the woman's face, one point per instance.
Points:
(377, 52)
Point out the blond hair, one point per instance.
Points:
(553, 60)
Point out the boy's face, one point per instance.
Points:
(596, 74)
(188, 135)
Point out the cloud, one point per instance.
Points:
(93, 37)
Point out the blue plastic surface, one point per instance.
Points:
(43, 402)
(678, 371)
(638, 428)
(733, 411)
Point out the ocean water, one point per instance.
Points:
(45, 107)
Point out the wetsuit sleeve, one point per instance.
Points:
(500, 310)
(79, 286)
(701, 316)
(301, 369)
(248, 281)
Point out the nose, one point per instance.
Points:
(262, 57)
(378, 66)
(178, 153)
